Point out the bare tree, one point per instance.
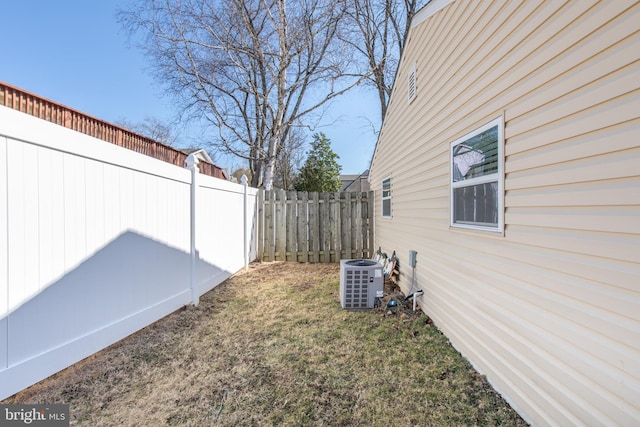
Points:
(238, 172)
(152, 128)
(377, 30)
(251, 68)
(289, 160)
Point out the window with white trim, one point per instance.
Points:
(477, 196)
(386, 198)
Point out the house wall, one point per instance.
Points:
(95, 243)
(549, 309)
(361, 183)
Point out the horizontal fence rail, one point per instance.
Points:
(61, 115)
(314, 227)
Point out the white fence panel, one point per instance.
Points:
(218, 215)
(95, 243)
(4, 259)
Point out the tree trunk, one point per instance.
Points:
(271, 160)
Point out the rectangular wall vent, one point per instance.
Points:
(413, 88)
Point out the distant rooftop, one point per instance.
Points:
(355, 182)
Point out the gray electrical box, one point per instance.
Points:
(361, 282)
(412, 259)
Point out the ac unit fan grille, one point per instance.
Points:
(356, 289)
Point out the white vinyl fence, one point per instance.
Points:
(97, 241)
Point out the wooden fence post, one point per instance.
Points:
(326, 228)
(270, 236)
(281, 225)
(292, 226)
(335, 227)
(314, 226)
(357, 225)
(346, 226)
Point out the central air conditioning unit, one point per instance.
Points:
(361, 282)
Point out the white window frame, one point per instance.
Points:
(387, 197)
(495, 177)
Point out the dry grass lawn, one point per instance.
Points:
(273, 347)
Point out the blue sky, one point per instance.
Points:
(75, 53)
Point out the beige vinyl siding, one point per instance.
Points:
(550, 309)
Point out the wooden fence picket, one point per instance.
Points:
(260, 231)
(281, 226)
(314, 227)
(270, 235)
(326, 231)
(336, 225)
(303, 226)
(292, 224)
(314, 214)
(347, 235)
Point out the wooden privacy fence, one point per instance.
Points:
(314, 227)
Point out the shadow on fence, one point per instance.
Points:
(124, 286)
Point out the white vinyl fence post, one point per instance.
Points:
(192, 165)
(246, 246)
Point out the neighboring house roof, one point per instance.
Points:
(355, 182)
(203, 156)
(347, 180)
(200, 153)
